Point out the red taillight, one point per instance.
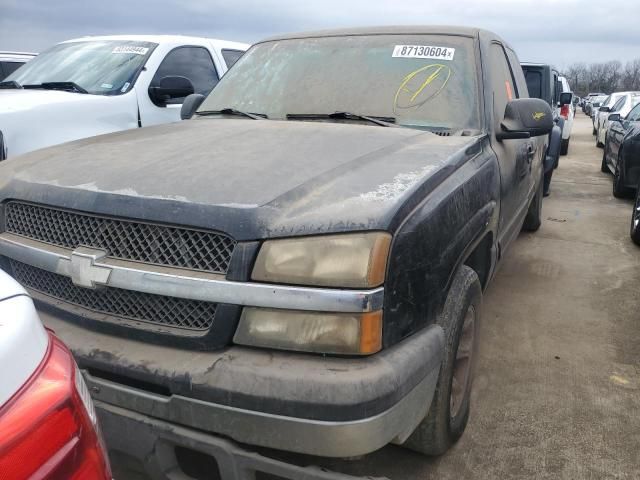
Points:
(564, 112)
(46, 432)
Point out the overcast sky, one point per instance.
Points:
(550, 31)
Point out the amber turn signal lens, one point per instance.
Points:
(331, 333)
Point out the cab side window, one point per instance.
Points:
(503, 84)
(7, 68)
(231, 56)
(194, 63)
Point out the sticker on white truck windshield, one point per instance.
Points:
(130, 49)
(423, 51)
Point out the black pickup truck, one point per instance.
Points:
(543, 82)
(298, 267)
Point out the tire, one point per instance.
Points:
(564, 146)
(594, 131)
(599, 144)
(533, 220)
(635, 220)
(619, 188)
(460, 319)
(604, 168)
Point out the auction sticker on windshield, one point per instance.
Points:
(423, 51)
(130, 49)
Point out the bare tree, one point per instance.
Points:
(604, 77)
(631, 75)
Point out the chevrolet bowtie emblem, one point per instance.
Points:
(84, 272)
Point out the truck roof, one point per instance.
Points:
(387, 30)
(17, 55)
(163, 39)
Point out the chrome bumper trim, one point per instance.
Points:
(89, 269)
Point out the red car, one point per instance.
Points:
(48, 424)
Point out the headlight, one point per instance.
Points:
(348, 260)
(339, 333)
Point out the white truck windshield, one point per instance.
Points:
(99, 67)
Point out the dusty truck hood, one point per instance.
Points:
(33, 119)
(250, 178)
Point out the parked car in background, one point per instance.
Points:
(605, 107)
(635, 219)
(48, 423)
(567, 111)
(543, 83)
(299, 267)
(621, 154)
(623, 106)
(96, 85)
(586, 103)
(11, 61)
(594, 105)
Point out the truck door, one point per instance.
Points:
(192, 62)
(515, 157)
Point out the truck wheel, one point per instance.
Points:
(449, 411)
(604, 168)
(619, 189)
(564, 147)
(533, 220)
(635, 220)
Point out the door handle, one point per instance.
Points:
(531, 151)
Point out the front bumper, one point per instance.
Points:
(151, 445)
(324, 406)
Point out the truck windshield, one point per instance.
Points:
(101, 67)
(420, 81)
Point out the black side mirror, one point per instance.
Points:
(190, 105)
(605, 109)
(170, 89)
(525, 118)
(565, 98)
(614, 117)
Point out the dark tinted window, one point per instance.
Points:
(534, 83)
(194, 63)
(9, 67)
(231, 56)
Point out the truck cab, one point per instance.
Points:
(96, 85)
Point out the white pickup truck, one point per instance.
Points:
(95, 85)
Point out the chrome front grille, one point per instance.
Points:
(124, 239)
(115, 302)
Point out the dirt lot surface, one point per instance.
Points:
(557, 390)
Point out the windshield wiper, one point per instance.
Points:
(382, 121)
(65, 86)
(10, 84)
(233, 111)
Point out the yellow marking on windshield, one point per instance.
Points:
(438, 71)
